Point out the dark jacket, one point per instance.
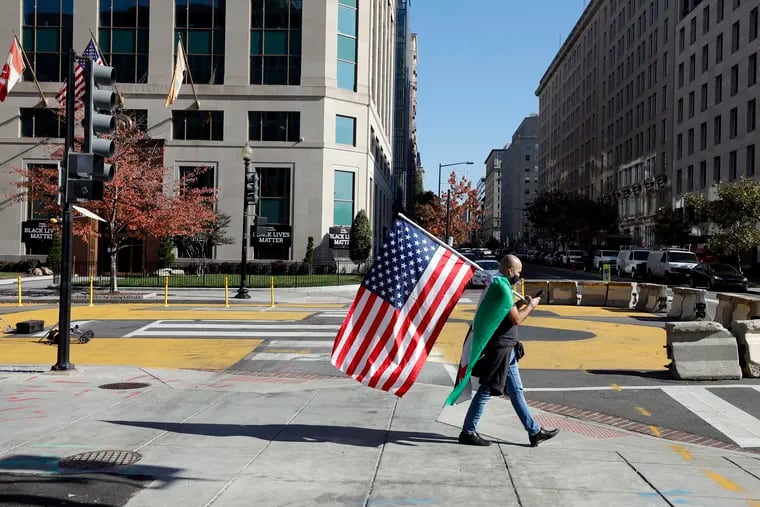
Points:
(492, 367)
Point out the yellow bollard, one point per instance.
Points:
(271, 292)
(226, 294)
(91, 290)
(19, 291)
(166, 290)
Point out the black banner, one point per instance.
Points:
(339, 237)
(37, 233)
(276, 235)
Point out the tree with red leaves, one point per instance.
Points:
(145, 200)
(465, 211)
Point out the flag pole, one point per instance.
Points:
(100, 52)
(447, 247)
(31, 69)
(192, 84)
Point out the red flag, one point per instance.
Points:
(399, 310)
(12, 70)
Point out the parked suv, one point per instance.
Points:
(602, 257)
(629, 260)
(671, 265)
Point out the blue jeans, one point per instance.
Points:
(516, 396)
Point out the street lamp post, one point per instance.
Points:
(441, 166)
(242, 292)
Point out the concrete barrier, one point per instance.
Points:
(652, 298)
(747, 334)
(593, 293)
(702, 350)
(689, 304)
(733, 307)
(533, 286)
(621, 294)
(563, 293)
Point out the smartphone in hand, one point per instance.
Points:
(539, 293)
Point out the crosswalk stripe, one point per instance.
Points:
(300, 343)
(289, 356)
(205, 325)
(733, 422)
(211, 332)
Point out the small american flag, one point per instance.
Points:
(399, 310)
(90, 51)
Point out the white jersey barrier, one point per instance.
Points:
(563, 293)
(688, 304)
(532, 287)
(702, 350)
(621, 294)
(733, 307)
(652, 297)
(593, 293)
(747, 334)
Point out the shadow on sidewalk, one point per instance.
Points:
(348, 435)
(653, 374)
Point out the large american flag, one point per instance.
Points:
(399, 310)
(90, 51)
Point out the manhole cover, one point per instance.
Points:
(124, 385)
(100, 459)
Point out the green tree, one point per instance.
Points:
(166, 253)
(54, 255)
(735, 215)
(670, 227)
(199, 245)
(360, 239)
(309, 257)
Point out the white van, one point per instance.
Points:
(671, 264)
(628, 259)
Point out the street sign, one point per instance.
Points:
(37, 234)
(339, 237)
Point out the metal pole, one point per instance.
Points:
(242, 292)
(440, 166)
(67, 256)
(448, 210)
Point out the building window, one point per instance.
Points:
(705, 57)
(679, 181)
(752, 70)
(36, 122)
(679, 109)
(732, 165)
(201, 27)
(693, 31)
(42, 176)
(195, 177)
(691, 105)
(690, 178)
(703, 98)
(717, 134)
(753, 24)
(703, 136)
(46, 37)
(751, 115)
(138, 117)
(719, 9)
(680, 74)
(679, 146)
(716, 169)
(345, 130)
(274, 205)
(703, 174)
(343, 202)
(276, 42)
(733, 123)
(719, 48)
(198, 125)
(718, 88)
(691, 141)
(735, 37)
(681, 39)
(751, 160)
(123, 38)
(734, 80)
(347, 44)
(692, 67)
(274, 126)
(705, 19)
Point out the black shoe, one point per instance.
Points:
(541, 436)
(473, 439)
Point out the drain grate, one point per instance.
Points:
(124, 385)
(100, 459)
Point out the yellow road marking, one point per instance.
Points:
(616, 387)
(654, 430)
(643, 411)
(176, 353)
(753, 503)
(723, 482)
(682, 451)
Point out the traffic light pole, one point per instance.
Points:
(242, 292)
(67, 257)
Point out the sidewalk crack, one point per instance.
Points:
(645, 479)
(380, 454)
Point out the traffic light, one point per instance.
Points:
(99, 118)
(251, 186)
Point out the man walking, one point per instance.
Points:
(497, 367)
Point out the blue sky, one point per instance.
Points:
(480, 62)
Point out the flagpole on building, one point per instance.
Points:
(100, 51)
(31, 69)
(444, 245)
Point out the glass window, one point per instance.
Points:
(753, 15)
(717, 135)
(345, 130)
(752, 70)
(198, 125)
(735, 37)
(751, 115)
(275, 56)
(732, 165)
(733, 123)
(716, 169)
(751, 160)
(123, 38)
(343, 205)
(36, 122)
(274, 126)
(46, 35)
(274, 205)
(200, 25)
(347, 45)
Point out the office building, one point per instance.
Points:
(519, 182)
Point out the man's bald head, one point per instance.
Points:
(510, 262)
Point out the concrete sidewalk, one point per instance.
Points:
(205, 438)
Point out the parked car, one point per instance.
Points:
(483, 277)
(717, 276)
(671, 265)
(602, 257)
(574, 258)
(629, 259)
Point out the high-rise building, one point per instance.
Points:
(519, 181)
(491, 200)
(310, 85)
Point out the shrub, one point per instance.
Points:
(279, 268)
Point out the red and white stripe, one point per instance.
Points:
(384, 347)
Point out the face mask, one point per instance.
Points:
(514, 279)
